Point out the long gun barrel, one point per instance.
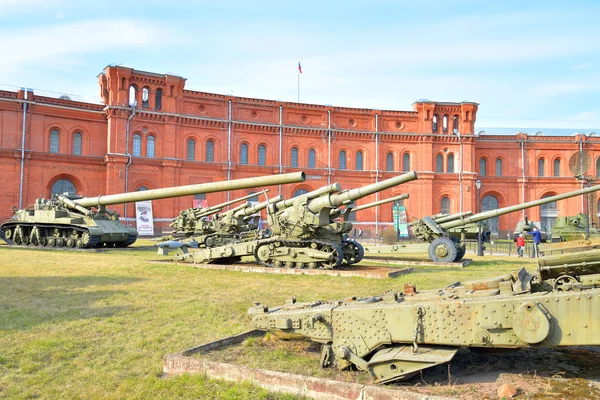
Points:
(187, 190)
(338, 199)
(218, 207)
(334, 187)
(244, 212)
(337, 212)
(451, 217)
(506, 210)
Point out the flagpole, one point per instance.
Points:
(298, 85)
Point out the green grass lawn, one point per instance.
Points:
(97, 325)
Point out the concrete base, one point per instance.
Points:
(375, 272)
(395, 261)
(297, 385)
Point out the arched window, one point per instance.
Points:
(158, 99)
(253, 199)
(294, 157)
(445, 124)
(343, 159)
(389, 162)
(123, 84)
(142, 188)
(482, 167)
(445, 205)
(598, 167)
(498, 166)
(406, 162)
(359, 161)
(488, 203)
(132, 95)
(150, 146)
(145, 97)
(191, 150)
(312, 158)
(455, 124)
(210, 151)
(467, 115)
(548, 214)
(63, 186)
(244, 154)
(450, 164)
(541, 167)
(434, 123)
(77, 143)
(557, 167)
(54, 140)
(262, 155)
(137, 145)
(299, 192)
(439, 163)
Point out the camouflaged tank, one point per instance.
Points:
(85, 222)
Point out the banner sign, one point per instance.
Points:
(400, 221)
(143, 218)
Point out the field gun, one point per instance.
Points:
(397, 334)
(192, 221)
(469, 231)
(306, 232)
(445, 248)
(85, 222)
(236, 225)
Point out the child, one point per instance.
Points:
(520, 245)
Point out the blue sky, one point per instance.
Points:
(532, 64)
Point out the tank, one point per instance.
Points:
(307, 231)
(397, 334)
(193, 221)
(526, 226)
(572, 228)
(445, 248)
(85, 222)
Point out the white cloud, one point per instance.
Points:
(65, 45)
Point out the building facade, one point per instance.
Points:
(151, 132)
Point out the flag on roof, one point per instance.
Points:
(299, 67)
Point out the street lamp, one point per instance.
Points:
(479, 235)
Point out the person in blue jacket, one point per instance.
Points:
(537, 239)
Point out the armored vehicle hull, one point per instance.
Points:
(395, 335)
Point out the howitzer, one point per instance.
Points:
(85, 222)
(304, 233)
(444, 248)
(192, 220)
(397, 334)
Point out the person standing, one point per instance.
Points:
(537, 239)
(520, 245)
(360, 233)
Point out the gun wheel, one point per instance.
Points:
(353, 251)
(443, 249)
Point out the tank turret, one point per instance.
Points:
(86, 222)
(444, 248)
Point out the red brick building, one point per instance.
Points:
(151, 132)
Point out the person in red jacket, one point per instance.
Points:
(520, 245)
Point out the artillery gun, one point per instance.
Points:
(445, 248)
(305, 231)
(466, 232)
(236, 225)
(193, 221)
(397, 334)
(85, 222)
(572, 228)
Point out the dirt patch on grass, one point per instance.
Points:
(536, 372)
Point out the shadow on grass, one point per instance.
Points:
(29, 301)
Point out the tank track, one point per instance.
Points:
(93, 241)
(318, 244)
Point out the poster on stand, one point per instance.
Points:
(144, 219)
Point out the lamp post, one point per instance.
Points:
(479, 238)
